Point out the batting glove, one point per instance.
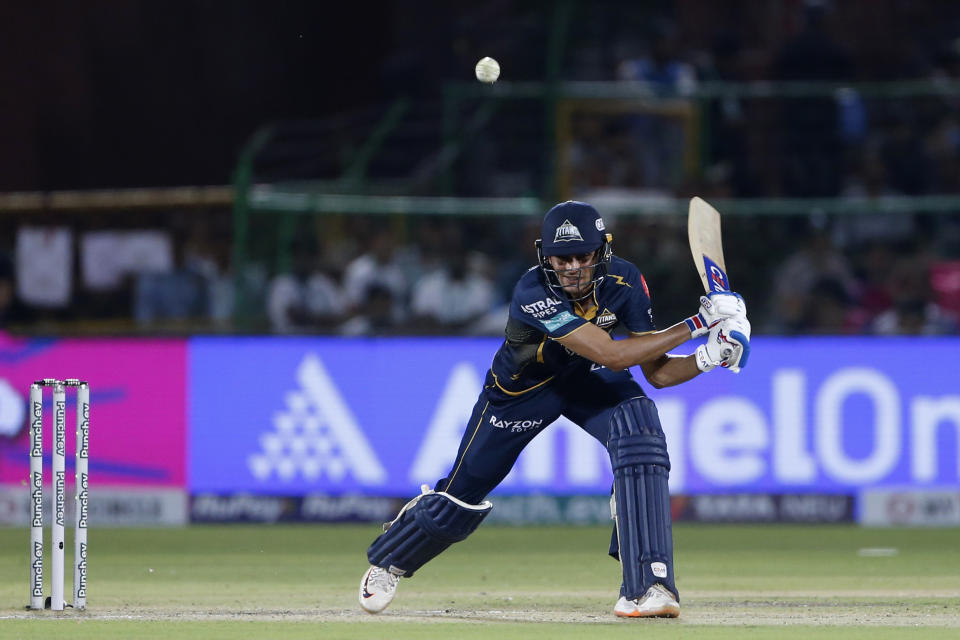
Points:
(727, 346)
(737, 331)
(714, 307)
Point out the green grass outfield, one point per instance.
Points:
(301, 582)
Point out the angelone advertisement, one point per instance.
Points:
(324, 416)
(380, 417)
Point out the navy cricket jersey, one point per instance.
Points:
(530, 357)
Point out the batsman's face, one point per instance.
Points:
(575, 272)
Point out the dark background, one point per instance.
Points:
(101, 94)
(144, 93)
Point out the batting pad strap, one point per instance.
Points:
(634, 416)
(425, 490)
(630, 451)
(424, 528)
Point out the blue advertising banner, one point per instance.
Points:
(298, 416)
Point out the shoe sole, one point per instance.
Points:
(372, 612)
(662, 612)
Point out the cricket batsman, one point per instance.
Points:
(558, 358)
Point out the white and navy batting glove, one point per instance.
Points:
(728, 346)
(714, 307)
(737, 332)
(704, 360)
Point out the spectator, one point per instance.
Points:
(651, 148)
(794, 283)
(874, 267)
(663, 69)
(375, 315)
(914, 315)
(208, 256)
(914, 310)
(306, 298)
(943, 149)
(829, 310)
(812, 142)
(179, 294)
(454, 295)
(44, 267)
(855, 231)
(379, 264)
(908, 164)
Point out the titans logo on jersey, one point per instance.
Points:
(530, 356)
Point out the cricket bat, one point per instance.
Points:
(703, 227)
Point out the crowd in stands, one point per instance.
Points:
(800, 275)
(877, 273)
(809, 273)
(435, 283)
(885, 287)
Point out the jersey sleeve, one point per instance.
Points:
(537, 306)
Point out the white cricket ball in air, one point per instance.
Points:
(488, 70)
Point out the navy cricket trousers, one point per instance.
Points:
(501, 426)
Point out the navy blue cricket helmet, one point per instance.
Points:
(574, 228)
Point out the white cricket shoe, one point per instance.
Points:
(657, 602)
(377, 589)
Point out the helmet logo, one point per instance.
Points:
(567, 232)
(599, 224)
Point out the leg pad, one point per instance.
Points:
(641, 468)
(424, 528)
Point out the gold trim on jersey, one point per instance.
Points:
(540, 350)
(496, 381)
(619, 280)
(571, 332)
(642, 333)
(587, 315)
(467, 448)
